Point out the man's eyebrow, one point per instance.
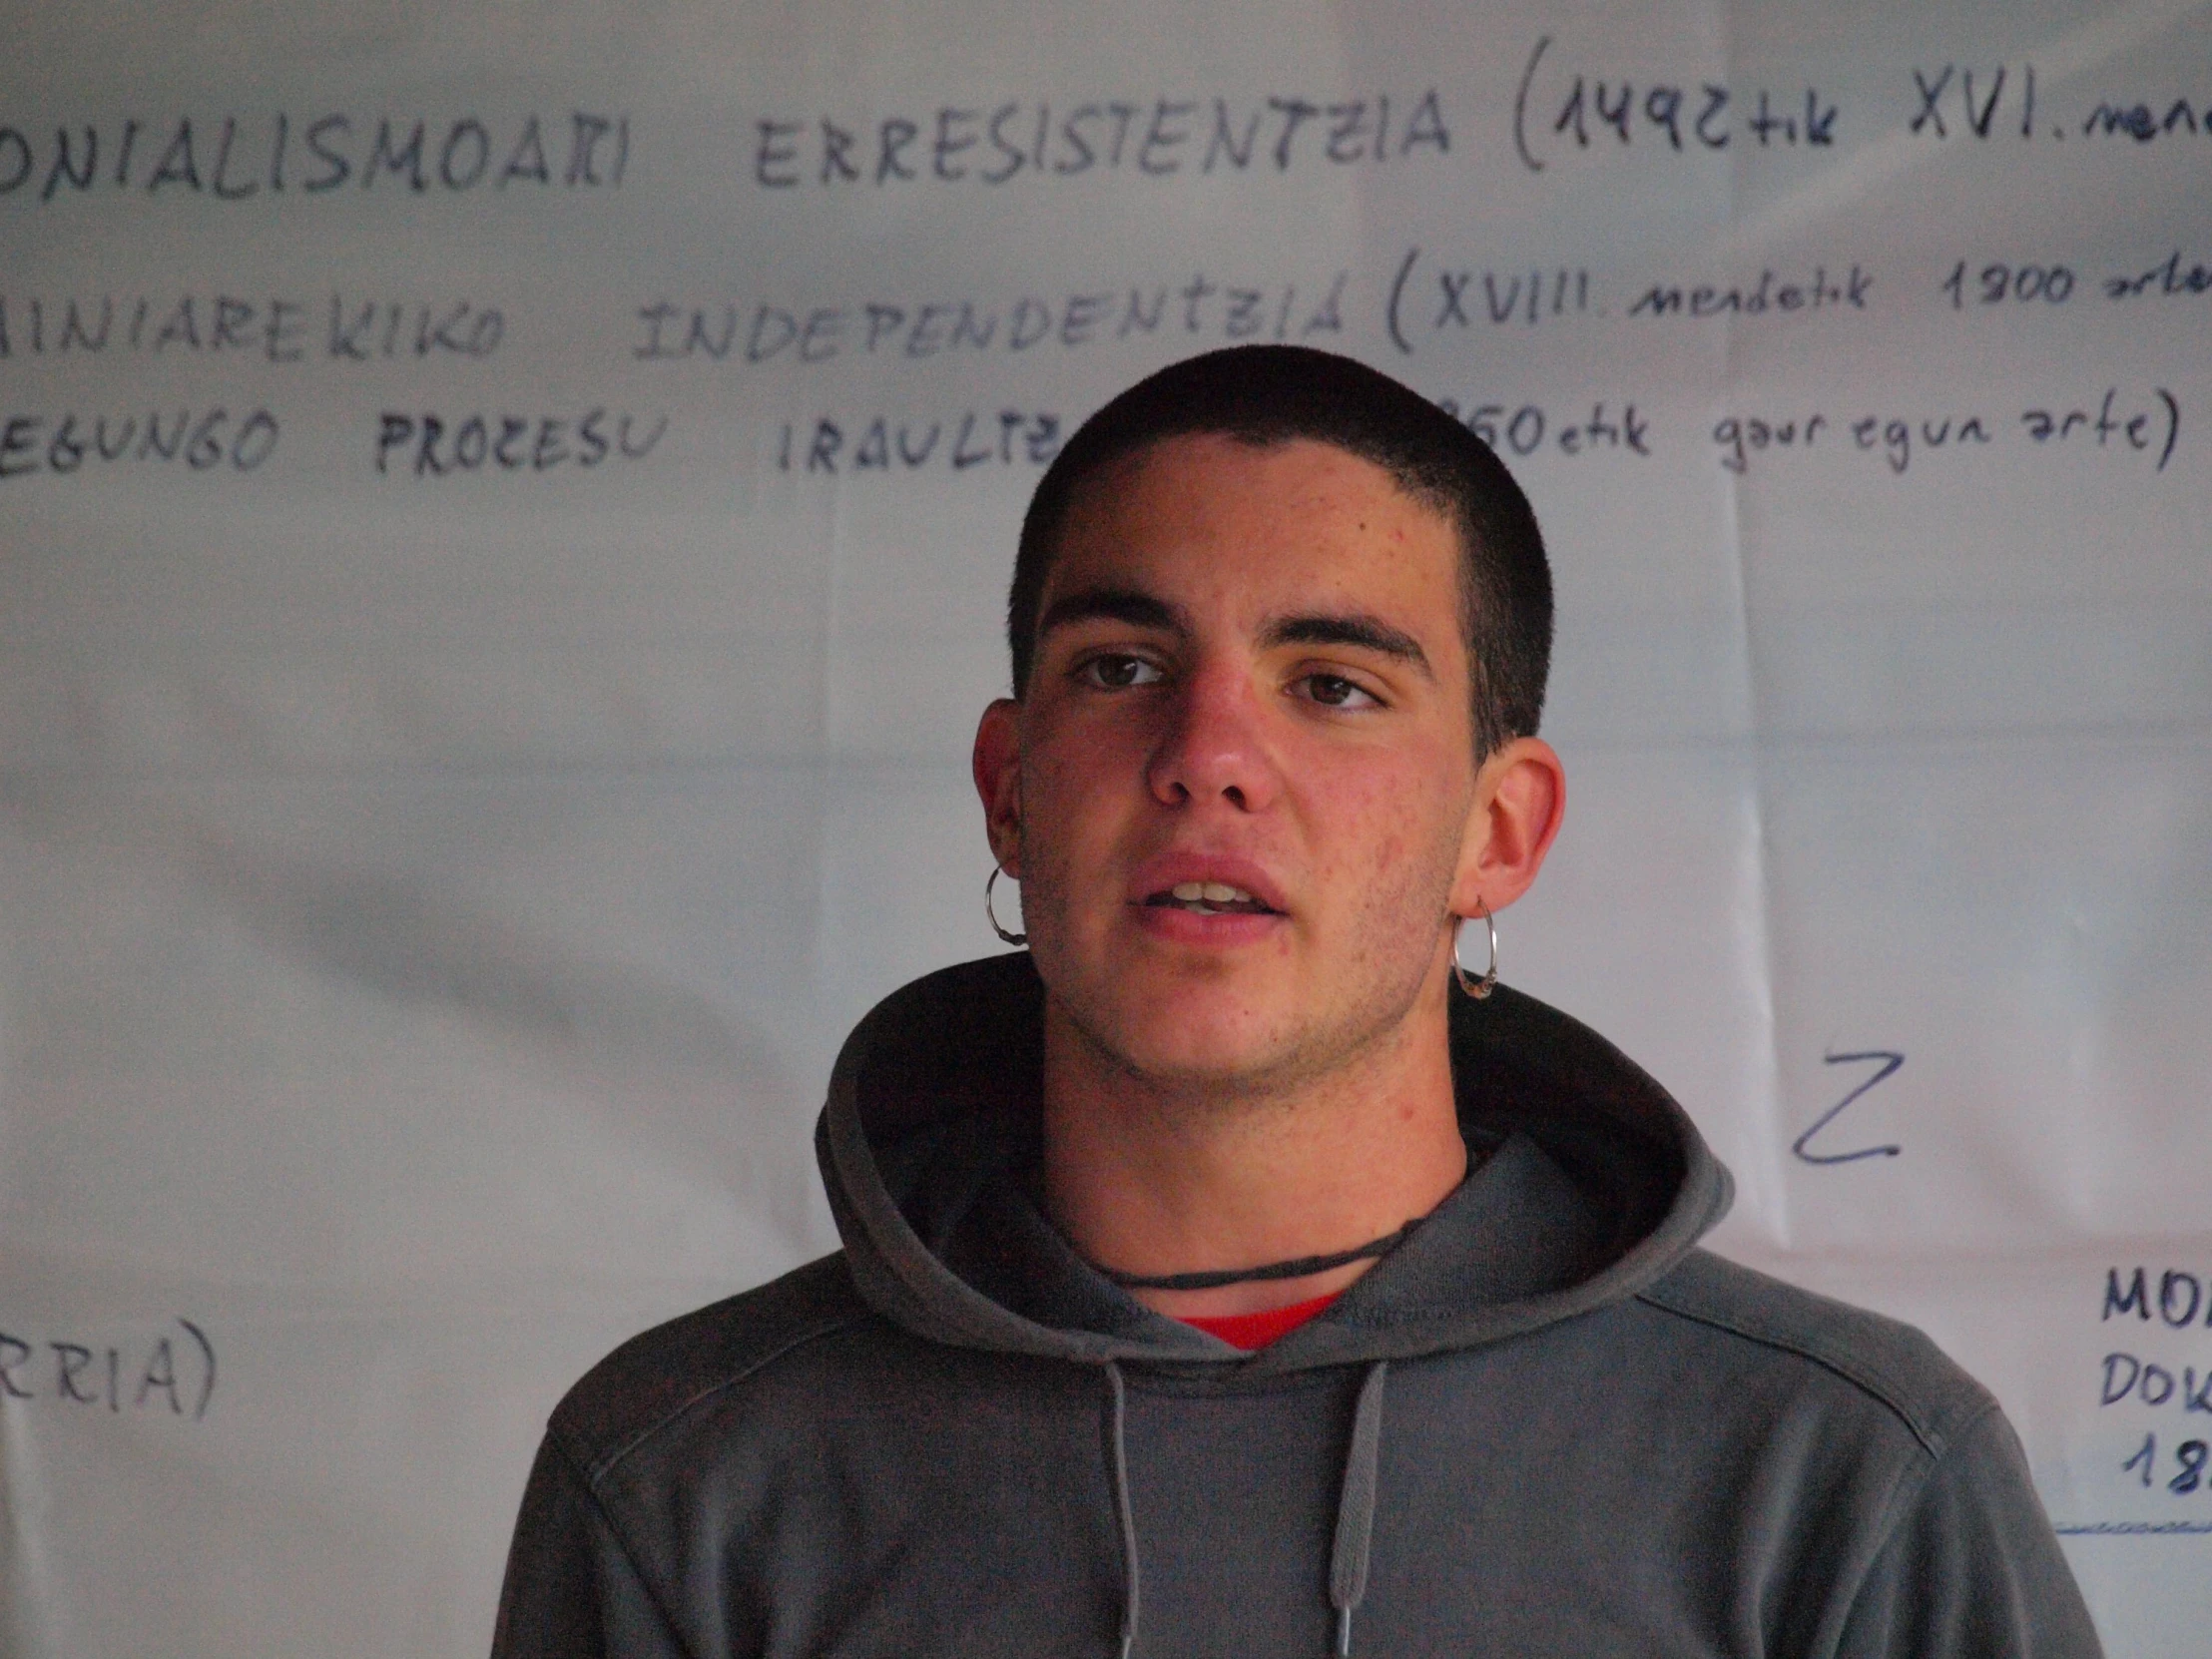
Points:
(1365, 632)
(1139, 610)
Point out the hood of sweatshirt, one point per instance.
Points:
(1591, 1184)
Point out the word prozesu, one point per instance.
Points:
(929, 328)
(431, 445)
(275, 330)
(173, 1373)
(234, 160)
(61, 447)
(1156, 136)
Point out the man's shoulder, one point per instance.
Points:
(663, 1373)
(1887, 1362)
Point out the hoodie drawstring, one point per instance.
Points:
(1355, 1539)
(1123, 1511)
(1348, 1561)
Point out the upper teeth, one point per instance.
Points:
(1210, 892)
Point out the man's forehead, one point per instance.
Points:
(1206, 464)
(1301, 509)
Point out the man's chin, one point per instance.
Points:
(1196, 1043)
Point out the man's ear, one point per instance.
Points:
(997, 764)
(1520, 795)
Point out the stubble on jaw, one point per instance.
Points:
(1299, 1060)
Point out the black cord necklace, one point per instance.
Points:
(1298, 1268)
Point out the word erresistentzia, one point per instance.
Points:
(1155, 137)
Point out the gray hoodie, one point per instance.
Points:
(1545, 1424)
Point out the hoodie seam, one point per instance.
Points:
(596, 1470)
(591, 1494)
(1867, 1379)
(1910, 1487)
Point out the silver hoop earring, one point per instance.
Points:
(990, 881)
(1477, 988)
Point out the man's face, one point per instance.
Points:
(1245, 779)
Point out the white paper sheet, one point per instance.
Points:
(436, 868)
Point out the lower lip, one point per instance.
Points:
(1173, 923)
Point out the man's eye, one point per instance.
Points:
(1334, 691)
(1117, 673)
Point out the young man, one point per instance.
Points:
(1222, 1276)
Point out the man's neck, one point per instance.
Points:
(1152, 1181)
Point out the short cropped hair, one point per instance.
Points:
(1267, 395)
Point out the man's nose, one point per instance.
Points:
(1215, 744)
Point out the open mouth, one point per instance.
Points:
(1210, 898)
